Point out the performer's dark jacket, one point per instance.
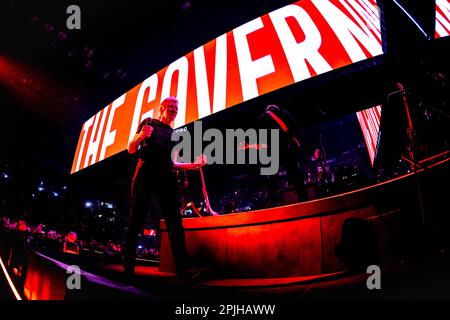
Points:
(156, 150)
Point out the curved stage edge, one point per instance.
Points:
(301, 239)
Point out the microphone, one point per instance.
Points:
(147, 121)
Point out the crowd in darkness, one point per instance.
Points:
(338, 173)
(42, 237)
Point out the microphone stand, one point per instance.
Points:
(205, 195)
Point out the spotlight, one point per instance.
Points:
(88, 204)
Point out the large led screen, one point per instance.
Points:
(285, 46)
(442, 19)
(369, 120)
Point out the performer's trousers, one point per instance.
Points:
(288, 156)
(147, 182)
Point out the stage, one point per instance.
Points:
(411, 254)
(406, 281)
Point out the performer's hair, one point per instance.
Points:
(272, 107)
(169, 100)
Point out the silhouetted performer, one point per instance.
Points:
(276, 118)
(155, 175)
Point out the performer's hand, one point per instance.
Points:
(147, 131)
(201, 160)
(197, 164)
